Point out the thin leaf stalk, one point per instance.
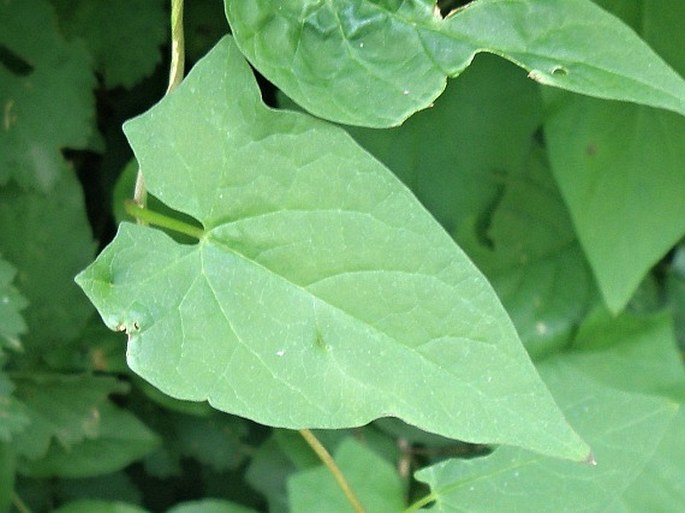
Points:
(20, 504)
(176, 71)
(329, 462)
(423, 501)
(145, 216)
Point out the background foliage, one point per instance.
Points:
(571, 206)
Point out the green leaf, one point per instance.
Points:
(115, 439)
(675, 286)
(619, 168)
(624, 430)
(636, 353)
(66, 408)
(47, 237)
(104, 24)
(321, 294)
(535, 262)
(214, 440)
(45, 95)
(11, 304)
(376, 63)
(379, 490)
(97, 349)
(452, 155)
(268, 472)
(661, 488)
(210, 506)
(657, 21)
(118, 486)
(601, 385)
(95, 506)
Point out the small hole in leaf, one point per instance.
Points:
(14, 63)
(559, 71)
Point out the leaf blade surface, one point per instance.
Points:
(322, 294)
(376, 63)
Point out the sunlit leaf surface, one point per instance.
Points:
(375, 63)
(321, 293)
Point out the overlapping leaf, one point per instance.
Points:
(630, 432)
(379, 490)
(624, 430)
(321, 294)
(636, 353)
(660, 487)
(675, 286)
(619, 167)
(114, 439)
(374, 63)
(268, 472)
(453, 155)
(47, 238)
(63, 408)
(535, 263)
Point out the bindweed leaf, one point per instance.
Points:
(602, 385)
(375, 63)
(320, 294)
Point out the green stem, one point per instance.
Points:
(157, 219)
(423, 501)
(20, 504)
(176, 71)
(328, 460)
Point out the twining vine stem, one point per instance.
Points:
(176, 71)
(328, 460)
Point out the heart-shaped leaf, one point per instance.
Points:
(320, 294)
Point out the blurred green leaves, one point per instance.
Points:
(104, 24)
(613, 396)
(12, 323)
(46, 96)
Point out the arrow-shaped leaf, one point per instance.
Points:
(320, 293)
